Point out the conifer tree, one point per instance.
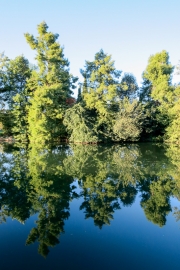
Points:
(158, 92)
(50, 85)
(159, 73)
(101, 81)
(100, 92)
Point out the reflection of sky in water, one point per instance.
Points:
(130, 241)
(77, 188)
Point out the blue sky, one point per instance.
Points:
(129, 30)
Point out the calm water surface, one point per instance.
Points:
(90, 207)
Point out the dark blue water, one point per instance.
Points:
(90, 207)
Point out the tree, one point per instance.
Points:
(156, 202)
(128, 121)
(157, 94)
(14, 95)
(173, 130)
(145, 90)
(101, 81)
(79, 97)
(159, 73)
(80, 126)
(13, 78)
(50, 193)
(4, 89)
(100, 92)
(51, 85)
(129, 87)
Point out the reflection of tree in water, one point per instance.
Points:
(156, 186)
(53, 193)
(156, 200)
(173, 153)
(14, 197)
(126, 164)
(35, 182)
(104, 179)
(40, 181)
(52, 214)
(110, 177)
(100, 200)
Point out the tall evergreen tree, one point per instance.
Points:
(100, 92)
(51, 85)
(159, 73)
(101, 81)
(157, 92)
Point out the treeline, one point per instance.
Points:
(37, 103)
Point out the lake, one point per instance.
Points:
(90, 207)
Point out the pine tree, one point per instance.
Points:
(100, 92)
(159, 73)
(101, 82)
(50, 85)
(157, 92)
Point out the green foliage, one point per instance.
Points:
(79, 97)
(39, 180)
(101, 81)
(156, 204)
(129, 87)
(173, 130)
(50, 85)
(14, 95)
(105, 97)
(157, 93)
(159, 73)
(153, 126)
(6, 86)
(20, 100)
(79, 125)
(13, 78)
(36, 102)
(7, 122)
(127, 126)
(145, 91)
(100, 93)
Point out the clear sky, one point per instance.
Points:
(129, 30)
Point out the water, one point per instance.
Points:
(90, 207)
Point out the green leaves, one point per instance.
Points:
(39, 106)
(159, 73)
(51, 85)
(100, 83)
(79, 125)
(14, 93)
(128, 121)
